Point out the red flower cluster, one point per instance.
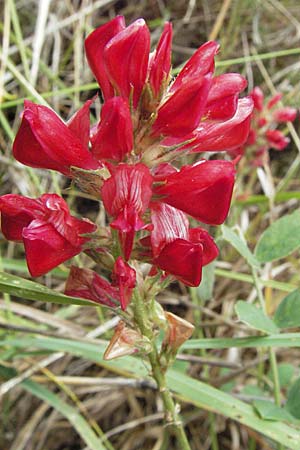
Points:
(146, 122)
(263, 133)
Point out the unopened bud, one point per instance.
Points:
(126, 341)
(179, 331)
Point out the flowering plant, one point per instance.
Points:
(131, 161)
(263, 134)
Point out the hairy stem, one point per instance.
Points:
(172, 417)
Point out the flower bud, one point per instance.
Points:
(126, 341)
(178, 331)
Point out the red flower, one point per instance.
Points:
(113, 138)
(126, 196)
(160, 61)
(126, 60)
(79, 123)
(172, 251)
(45, 141)
(94, 46)
(124, 277)
(177, 249)
(277, 139)
(221, 135)
(258, 98)
(203, 190)
(49, 233)
(86, 283)
(285, 114)
(222, 99)
(181, 113)
(199, 65)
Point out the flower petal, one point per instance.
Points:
(94, 47)
(114, 136)
(44, 141)
(203, 190)
(126, 60)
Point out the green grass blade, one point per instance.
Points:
(31, 290)
(189, 389)
(204, 396)
(77, 420)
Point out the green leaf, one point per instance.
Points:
(205, 289)
(269, 411)
(31, 290)
(255, 317)
(293, 399)
(280, 239)
(285, 374)
(239, 244)
(287, 314)
(77, 420)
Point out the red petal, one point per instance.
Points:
(183, 259)
(285, 114)
(44, 141)
(169, 224)
(126, 60)
(161, 60)
(200, 64)
(129, 185)
(258, 98)
(274, 100)
(45, 248)
(210, 250)
(79, 123)
(224, 135)
(94, 47)
(223, 96)
(182, 112)
(86, 283)
(124, 277)
(277, 139)
(114, 136)
(16, 213)
(203, 190)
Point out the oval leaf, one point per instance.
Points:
(280, 239)
(288, 312)
(240, 245)
(293, 400)
(255, 317)
(269, 411)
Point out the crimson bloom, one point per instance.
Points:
(113, 138)
(95, 44)
(124, 277)
(126, 196)
(49, 233)
(263, 133)
(177, 249)
(160, 61)
(202, 190)
(45, 141)
(118, 56)
(85, 283)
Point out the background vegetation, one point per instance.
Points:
(57, 393)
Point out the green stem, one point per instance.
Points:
(172, 417)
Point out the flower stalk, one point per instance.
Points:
(158, 372)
